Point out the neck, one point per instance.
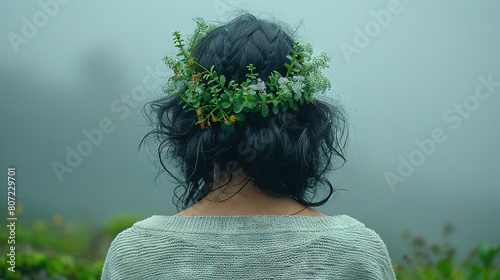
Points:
(241, 196)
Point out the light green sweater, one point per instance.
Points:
(248, 247)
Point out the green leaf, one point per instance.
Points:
(262, 96)
(288, 66)
(222, 79)
(220, 115)
(240, 117)
(250, 105)
(224, 96)
(226, 104)
(215, 89)
(238, 107)
(275, 109)
(264, 110)
(252, 98)
(206, 96)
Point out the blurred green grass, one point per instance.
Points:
(438, 261)
(60, 249)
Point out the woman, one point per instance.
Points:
(243, 123)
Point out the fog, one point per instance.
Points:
(420, 81)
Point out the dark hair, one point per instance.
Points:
(286, 154)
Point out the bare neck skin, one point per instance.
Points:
(240, 198)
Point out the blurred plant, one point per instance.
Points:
(119, 223)
(436, 261)
(59, 249)
(58, 235)
(45, 251)
(481, 261)
(42, 265)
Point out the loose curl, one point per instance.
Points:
(287, 154)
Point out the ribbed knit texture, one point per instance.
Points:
(248, 247)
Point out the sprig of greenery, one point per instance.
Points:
(214, 99)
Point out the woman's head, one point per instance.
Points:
(283, 154)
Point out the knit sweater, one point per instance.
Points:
(248, 247)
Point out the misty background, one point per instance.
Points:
(420, 81)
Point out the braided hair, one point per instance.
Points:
(243, 41)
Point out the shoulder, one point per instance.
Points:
(360, 249)
(351, 234)
(121, 253)
(125, 258)
(353, 230)
(138, 236)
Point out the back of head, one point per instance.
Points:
(284, 154)
(245, 40)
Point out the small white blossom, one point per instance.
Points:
(297, 87)
(174, 87)
(285, 91)
(248, 91)
(260, 86)
(283, 81)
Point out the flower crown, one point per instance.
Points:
(216, 100)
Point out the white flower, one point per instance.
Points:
(248, 91)
(297, 87)
(198, 90)
(285, 91)
(173, 86)
(260, 86)
(283, 81)
(298, 78)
